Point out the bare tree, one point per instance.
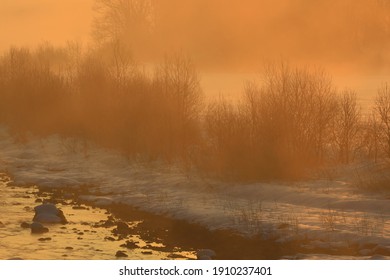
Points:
(124, 20)
(347, 125)
(382, 108)
(372, 133)
(179, 95)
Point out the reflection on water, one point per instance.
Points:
(88, 235)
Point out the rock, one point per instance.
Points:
(38, 228)
(45, 239)
(69, 248)
(77, 207)
(49, 213)
(109, 238)
(176, 256)
(120, 254)
(205, 254)
(130, 245)
(122, 227)
(147, 252)
(25, 225)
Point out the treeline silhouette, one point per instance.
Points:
(292, 121)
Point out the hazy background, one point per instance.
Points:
(30, 22)
(220, 35)
(135, 84)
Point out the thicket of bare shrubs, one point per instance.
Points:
(290, 122)
(103, 96)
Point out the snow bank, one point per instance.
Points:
(322, 209)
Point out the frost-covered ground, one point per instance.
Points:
(324, 213)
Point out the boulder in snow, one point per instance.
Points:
(49, 213)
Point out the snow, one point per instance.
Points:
(328, 211)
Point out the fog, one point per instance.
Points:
(28, 23)
(240, 35)
(221, 36)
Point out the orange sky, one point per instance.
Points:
(29, 22)
(235, 34)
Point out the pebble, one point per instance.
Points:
(147, 252)
(38, 228)
(25, 225)
(109, 238)
(130, 245)
(121, 254)
(80, 208)
(45, 239)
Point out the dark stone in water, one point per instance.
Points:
(109, 238)
(25, 225)
(176, 256)
(69, 248)
(45, 239)
(49, 213)
(80, 208)
(121, 254)
(147, 252)
(122, 228)
(37, 228)
(130, 245)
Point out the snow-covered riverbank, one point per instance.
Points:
(323, 213)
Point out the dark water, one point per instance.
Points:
(91, 232)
